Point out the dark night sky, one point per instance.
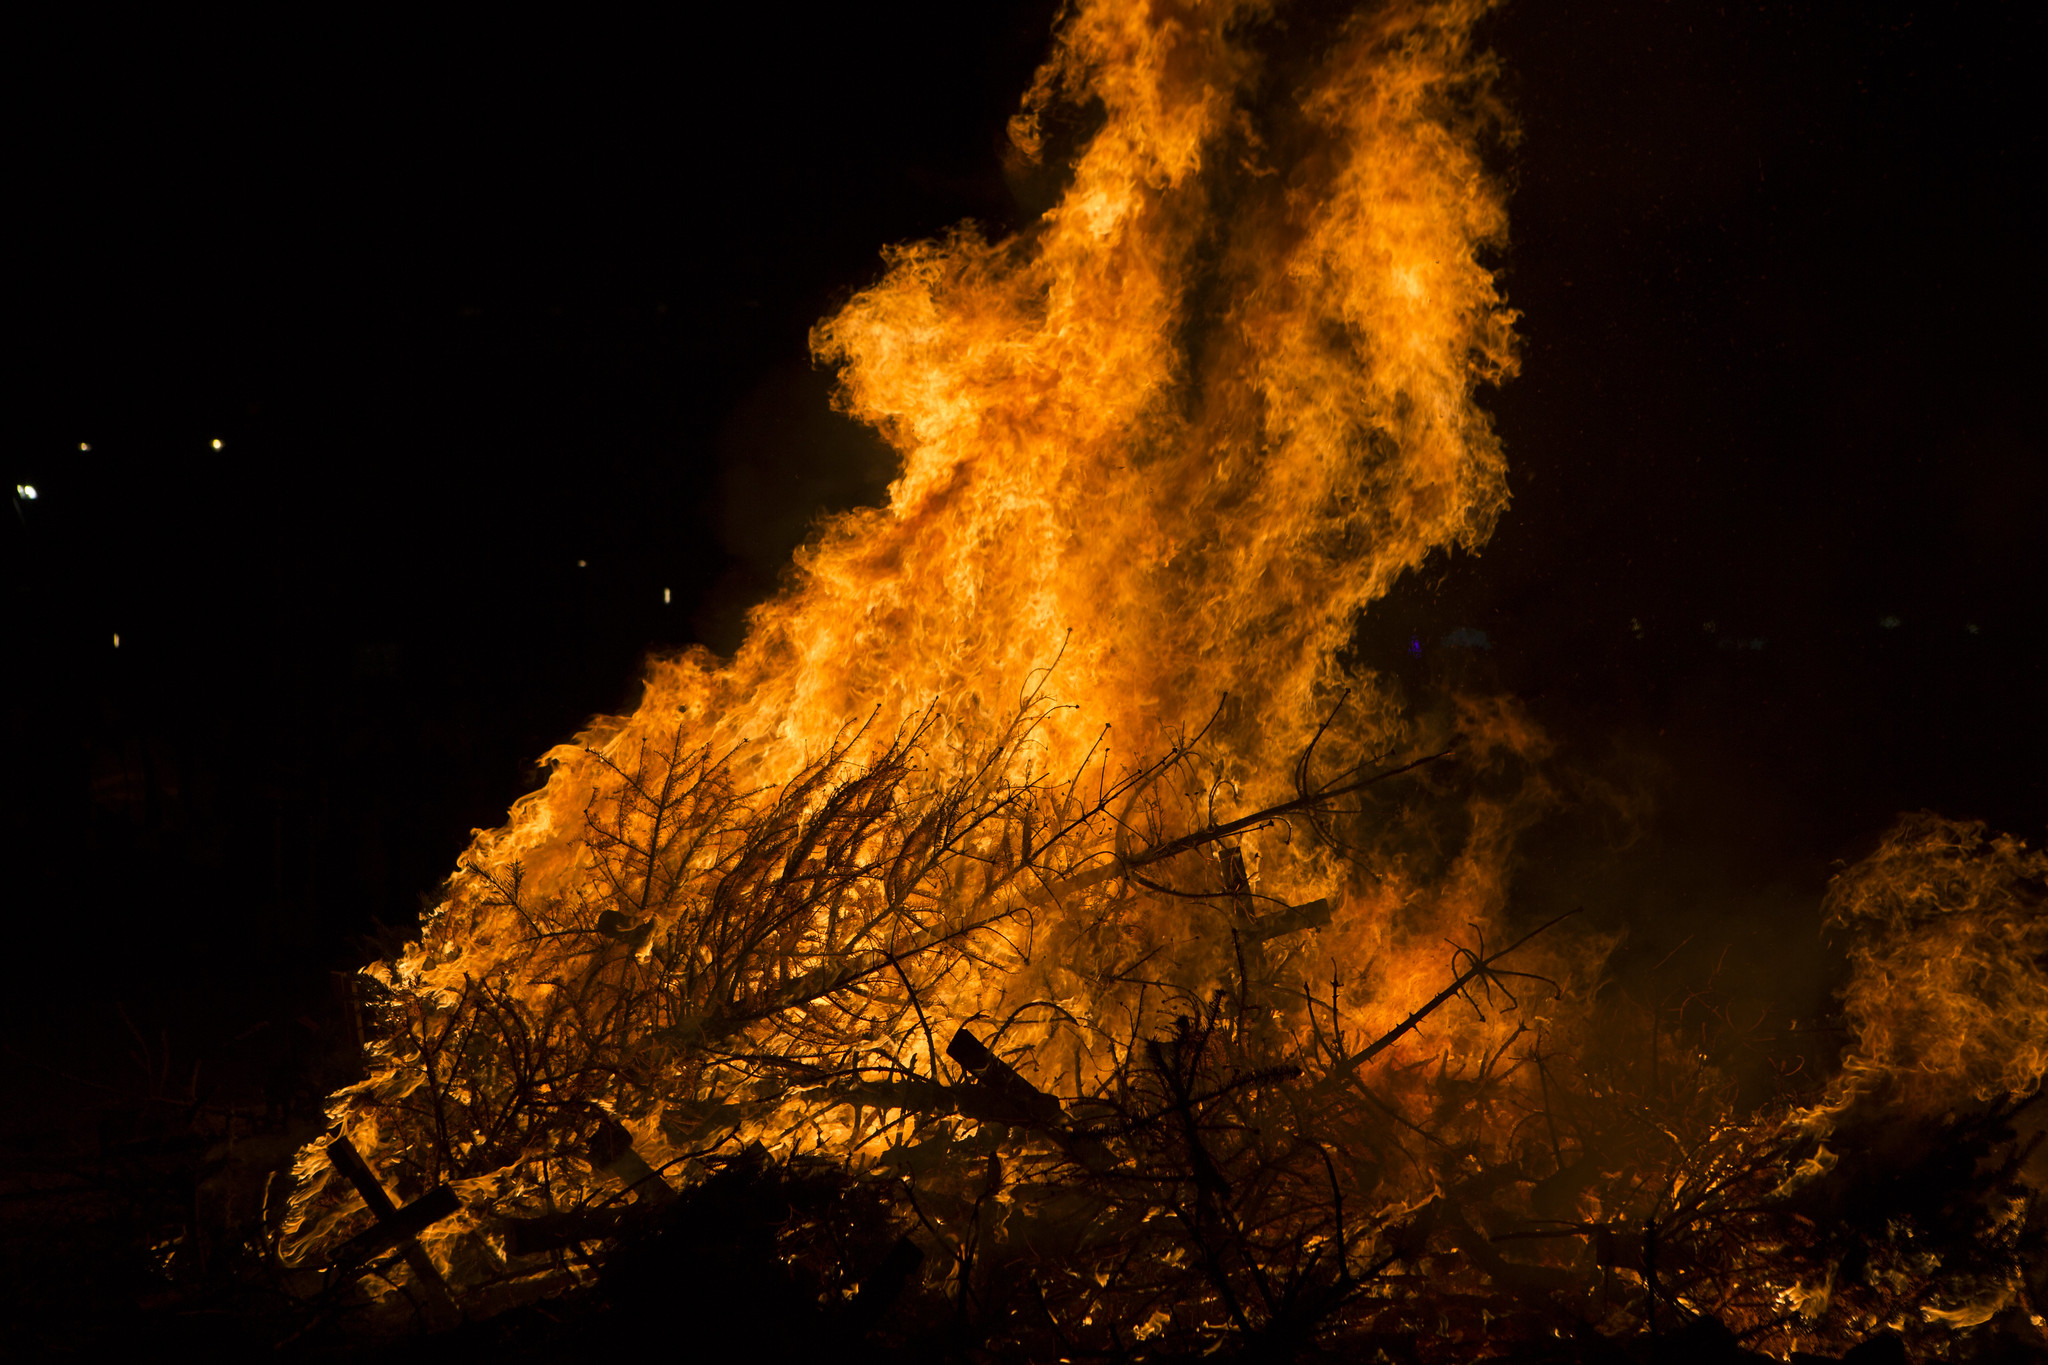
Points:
(467, 306)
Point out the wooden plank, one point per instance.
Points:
(437, 1304)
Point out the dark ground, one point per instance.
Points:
(467, 307)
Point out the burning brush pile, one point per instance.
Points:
(1035, 944)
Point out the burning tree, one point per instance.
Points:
(1224, 1039)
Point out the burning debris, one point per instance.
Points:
(1156, 1135)
(979, 1029)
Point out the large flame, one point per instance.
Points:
(1046, 746)
(1158, 451)
(1176, 434)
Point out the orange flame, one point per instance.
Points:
(1175, 435)
(1184, 427)
(1947, 941)
(1171, 438)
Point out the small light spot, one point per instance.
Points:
(1889, 623)
(85, 445)
(216, 443)
(582, 563)
(117, 639)
(1710, 626)
(1972, 628)
(25, 491)
(665, 598)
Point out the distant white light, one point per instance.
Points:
(665, 597)
(25, 491)
(216, 443)
(117, 639)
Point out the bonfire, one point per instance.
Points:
(1036, 942)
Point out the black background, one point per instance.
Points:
(466, 305)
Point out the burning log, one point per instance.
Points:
(557, 1231)
(612, 1151)
(1313, 914)
(396, 1227)
(1012, 1099)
